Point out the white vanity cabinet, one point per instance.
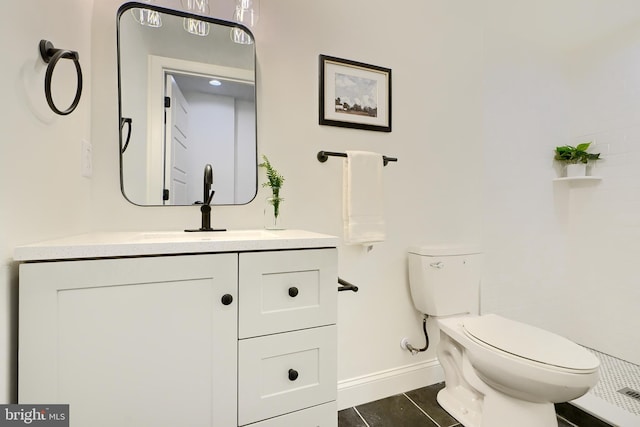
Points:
(216, 339)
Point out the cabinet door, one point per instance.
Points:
(131, 342)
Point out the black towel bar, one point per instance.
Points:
(346, 286)
(324, 155)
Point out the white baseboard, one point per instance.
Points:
(378, 385)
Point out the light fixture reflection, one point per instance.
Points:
(215, 82)
(196, 26)
(147, 17)
(246, 13)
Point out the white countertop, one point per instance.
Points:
(118, 244)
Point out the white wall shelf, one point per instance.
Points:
(571, 179)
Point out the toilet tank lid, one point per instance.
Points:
(444, 250)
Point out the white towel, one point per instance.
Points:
(363, 209)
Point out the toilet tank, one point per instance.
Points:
(445, 280)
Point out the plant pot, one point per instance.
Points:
(575, 170)
(591, 168)
(273, 213)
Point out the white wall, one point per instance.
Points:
(558, 256)
(134, 82)
(245, 174)
(43, 194)
(604, 229)
(212, 139)
(526, 108)
(221, 129)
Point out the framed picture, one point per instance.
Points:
(354, 95)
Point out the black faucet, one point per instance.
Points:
(206, 205)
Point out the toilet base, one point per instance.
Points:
(498, 410)
(457, 407)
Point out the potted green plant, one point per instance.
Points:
(575, 159)
(272, 207)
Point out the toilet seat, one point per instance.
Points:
(531, 343)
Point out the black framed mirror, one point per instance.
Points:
(187, 98)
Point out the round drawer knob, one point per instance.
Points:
(226, 299)
(293, 375)
(293, 291)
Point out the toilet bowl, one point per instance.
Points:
(498, 372)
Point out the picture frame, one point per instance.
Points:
(354, 95)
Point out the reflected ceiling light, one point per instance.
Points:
(147, 17)
(196, 26)
(215, 82)
(246, 13)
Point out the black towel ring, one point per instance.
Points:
(51, 55)
(126, 121)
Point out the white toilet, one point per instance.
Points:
(498, 372)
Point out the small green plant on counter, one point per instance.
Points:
(275, 181)
(573, 155)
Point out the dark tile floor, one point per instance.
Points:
(418, 408)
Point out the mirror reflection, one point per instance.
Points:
(187, 99)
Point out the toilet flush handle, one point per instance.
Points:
(438, 264)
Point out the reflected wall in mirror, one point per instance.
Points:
(186, 100)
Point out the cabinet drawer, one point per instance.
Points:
(285, 290)
(319, 416)
(283, 373)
